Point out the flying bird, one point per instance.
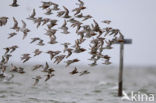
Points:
(84, 72)
(37, 52)
(40, 43)
(64, 28)
(46, 5)
(14, 4)
(75, 71)
(106, 21)
(37, 67)
(48, 11)
(12, 35)
(69, 50)
(34, 39)
(53, 53)
(60, 13)
(3, 21)
(25, 57)
(32, 16)
(46, 67)
(15, 26)
(71, 61)
(13, 68)
(59, 58)
(86, 17)
(66, 15)
(7, 49)
(65, 46)
(78, 10)
(37, 79)
(21, 70)
(81, 3)
(55, 7)
(24, 29)
(48, 76)
(13, 48)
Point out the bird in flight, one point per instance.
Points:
(14, 4)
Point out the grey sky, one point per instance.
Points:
(135, 19)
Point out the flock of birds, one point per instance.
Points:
(97, 45)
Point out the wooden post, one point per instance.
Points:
(121, 64)
(121, 69)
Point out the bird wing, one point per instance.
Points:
(24, 24)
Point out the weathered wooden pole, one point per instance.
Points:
(121, 69)
(121, 64)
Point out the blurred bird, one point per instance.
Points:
(78, 25)
(46, 67)
(34, 39)
(64, 28)
(86, 17)
(37, 52)
(53, 53)
(40, 43)
(25, 57)
(52, 24)
(48, 76)
(120, 38)
(72, 20)
(84, 72)
(81, 3)
(15, 26)
(12, 35)
(78, 49)
(60, 13)
(38, 21)
(21, 70)
(7, 49)
(7, 57)
(14, 4)
(37, 79)
(79, 15)
(32, 16)
(94, 62)
(106, 21)
(45, 21)
(3, 60)
(50, 70)
(52, 39)
(13, 48)
(37, 67)
(75, 71)
(3, 21)
(65, 46)
(48, 11)
(108, 45)
(51, 32)
(66, 15)
(13, 68)
(24, 29)
(55, 7)
(59, 58)
(3, 68)
(78, 10)
(107, 62)
(46, 5)
(69, 52)
(71, 61)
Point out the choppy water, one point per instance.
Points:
(100, 86)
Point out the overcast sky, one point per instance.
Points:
(135, 19)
